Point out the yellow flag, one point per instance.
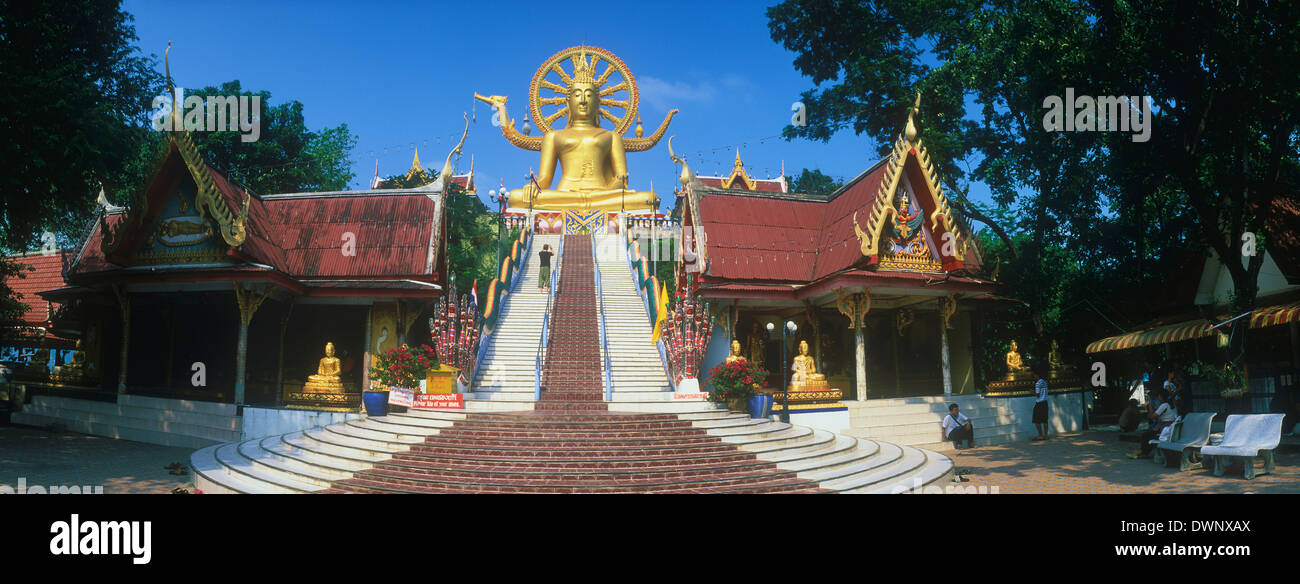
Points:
(662, 314)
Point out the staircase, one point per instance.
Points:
(636, 370)
(505, 381)
(916, 421)
(571, 440)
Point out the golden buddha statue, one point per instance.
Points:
(1057, 366)
(326, 379)
(735, 353)
(1015, 366)
(77, 367)
(593, 162)
(805, 371)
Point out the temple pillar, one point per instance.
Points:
(1295, 345)
(247, 302)
(124, 304)
(365, 355)
(279, 366)
(855, 307)
(943, 353)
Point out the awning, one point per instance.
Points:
(1193, 329)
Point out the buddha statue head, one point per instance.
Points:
(1013, 346)
(735, 347)
(329, 349)
(803, 348)
(584, 96)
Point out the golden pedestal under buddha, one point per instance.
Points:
(593, 162)
(326, 379)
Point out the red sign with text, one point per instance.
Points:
(440, 401)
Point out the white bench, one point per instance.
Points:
(1244, 438)
(1187, 439)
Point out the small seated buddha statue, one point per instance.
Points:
(806, 377)
(326, 379)
(77, 367)
(1015, 366)
(1057, 366)
(735, 353)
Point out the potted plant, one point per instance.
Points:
(1229, 379)
(734, 384)
(404, 367)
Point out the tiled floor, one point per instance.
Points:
(69, 459)
(1095, 462)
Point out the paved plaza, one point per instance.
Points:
(1095, 462)
(1087, 462)
(45, 459)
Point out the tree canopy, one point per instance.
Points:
(1088, 222)
(814, 182)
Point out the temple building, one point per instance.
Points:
(202, 314)
(882, 279)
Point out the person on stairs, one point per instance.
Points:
(544, 276)
(957, 427)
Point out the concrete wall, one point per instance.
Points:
(169, 422)
(263, 422)
(1064, 411)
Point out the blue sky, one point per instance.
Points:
(401, 74)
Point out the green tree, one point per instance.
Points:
(287, 157)
(1223, 145)
(73, 119)
(814, 182)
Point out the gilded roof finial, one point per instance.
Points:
(910, 132)
(738, 164)
(167, 66)
(639, 129)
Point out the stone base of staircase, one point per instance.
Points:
(917, 421)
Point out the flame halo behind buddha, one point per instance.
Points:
(593, 163)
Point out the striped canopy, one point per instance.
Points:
(1193, 329)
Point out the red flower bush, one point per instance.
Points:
(404, 366)
(735, 380)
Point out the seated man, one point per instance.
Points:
(1163, 416)
(1129, 418)
(957, 427)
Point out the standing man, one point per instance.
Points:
(1040, 404)
(957, 427)
(544, 277)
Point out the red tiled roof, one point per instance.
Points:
(303, 236)
(789, 238)
(47, 274)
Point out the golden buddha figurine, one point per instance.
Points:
(593, 161)
(326, 379)
(1015, 366)
(735, 353)
(1057, 366)
(75, 368)
(805, 371)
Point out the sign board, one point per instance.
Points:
(677, 396)
(439, 401)
(398, 396)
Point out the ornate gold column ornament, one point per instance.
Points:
(247, 301)
(855, 307)
(948, 308)
(903, 319)
(124, 304)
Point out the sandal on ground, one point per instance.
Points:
(179, 471)
(174, 465)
